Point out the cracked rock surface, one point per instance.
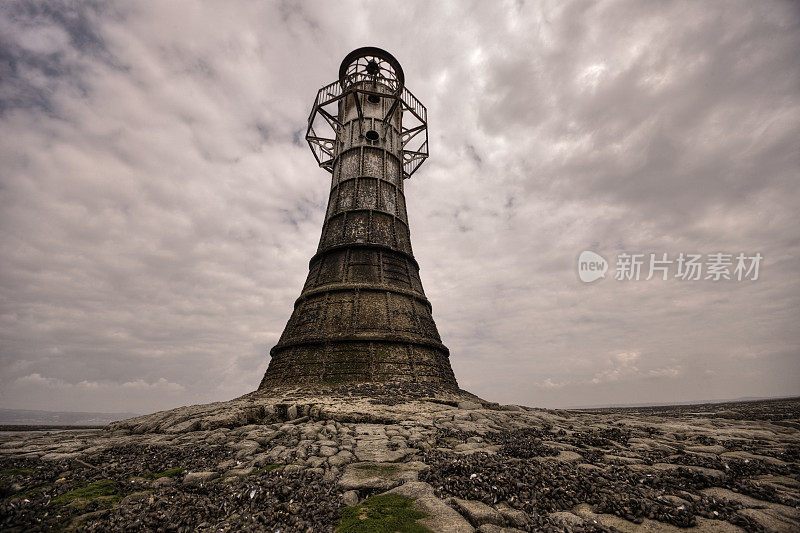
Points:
(292, 460)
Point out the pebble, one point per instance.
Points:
(350, 498)
(328, 451)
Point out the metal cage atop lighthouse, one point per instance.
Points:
(372, 85)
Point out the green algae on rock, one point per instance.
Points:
(385, 513)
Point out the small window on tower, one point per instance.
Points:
(374, 99)
(372, 136)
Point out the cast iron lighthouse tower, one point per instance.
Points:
(362, 315)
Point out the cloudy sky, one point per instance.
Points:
(158, 205)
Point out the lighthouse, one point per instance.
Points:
(362, 315)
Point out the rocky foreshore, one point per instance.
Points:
(410, 459)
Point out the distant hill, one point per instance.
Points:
(26, 417)
(743, 399)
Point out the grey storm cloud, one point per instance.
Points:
(158, 205)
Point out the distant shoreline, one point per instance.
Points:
(56, 419)
(698, 403)
(45, 427)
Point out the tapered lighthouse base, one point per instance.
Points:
(337, 363)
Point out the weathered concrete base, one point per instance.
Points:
(363, 403)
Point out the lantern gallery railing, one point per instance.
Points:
(369, 77)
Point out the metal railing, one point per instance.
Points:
(414, 105)
(324, 149)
